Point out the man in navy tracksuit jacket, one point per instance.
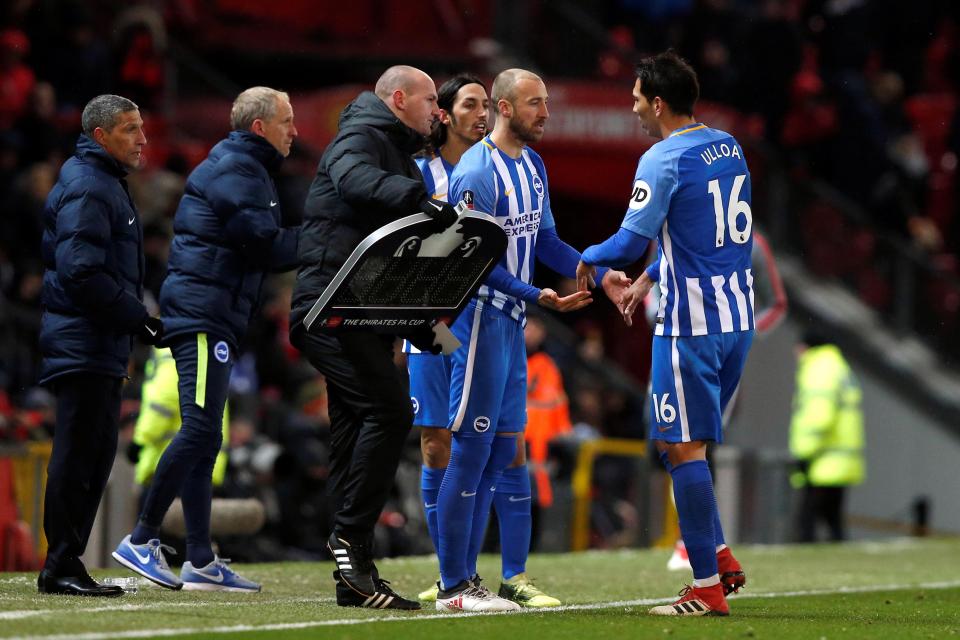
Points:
(227, 236)
(92, 290)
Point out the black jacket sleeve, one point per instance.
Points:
(353, 165)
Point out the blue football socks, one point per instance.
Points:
(512, 501)
(430, 480)
(455, 506)
(502, 452)
(697, 509)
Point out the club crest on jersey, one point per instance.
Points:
(416, 405)
(221, 351)
(538, 185)
(481, 424)
(640, 196)
(468, 198)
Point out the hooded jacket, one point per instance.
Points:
(226, 237)
(92, 250)
(366, 178)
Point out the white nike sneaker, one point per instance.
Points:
(467, 597)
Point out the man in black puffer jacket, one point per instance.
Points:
(92, 291)
(366, 179)
(227, 236)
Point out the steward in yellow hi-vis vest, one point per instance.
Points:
(826, 435)
(159, 418)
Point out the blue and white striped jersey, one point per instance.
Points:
(692, 191)
(436, 175)
(514, 191)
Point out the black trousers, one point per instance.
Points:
(821, 504)
(370, 417)
(84, 446)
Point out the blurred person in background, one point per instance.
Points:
(826, 436)
(159, 421)
(92, 296)
(227, 236)
(548, 412)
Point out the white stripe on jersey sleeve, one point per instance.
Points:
(409, 348)
(750, 288)
(741, 301)
(439, 174)
(698, 318)
(468, 374)
(723, 305)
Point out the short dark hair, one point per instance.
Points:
(102, 112)
(446, 95)
(672, 78)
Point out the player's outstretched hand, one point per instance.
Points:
(614, 284)
(586, 276)
(633, 297)
(549, 299)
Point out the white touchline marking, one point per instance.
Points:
(147, 633)
(32, 613)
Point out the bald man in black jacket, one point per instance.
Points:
(366, 179)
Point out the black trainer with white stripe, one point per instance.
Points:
(383, 598)
(354, 565)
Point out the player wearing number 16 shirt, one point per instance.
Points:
(692, 193)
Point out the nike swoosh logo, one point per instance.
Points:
(151, 331)
(435, 206)
(273, 203)
(216, 578)
(464, 494)
(515, 499)
(662, 429)
(143, 559)
(429, 506)
(131, 220)
(508, 192)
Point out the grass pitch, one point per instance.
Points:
(899, 589)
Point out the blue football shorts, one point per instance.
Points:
(488, 381)
(693, 380)
(429, 389)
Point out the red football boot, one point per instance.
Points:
(696, 601)
(731, 574)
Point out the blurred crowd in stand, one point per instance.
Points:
(859, 95)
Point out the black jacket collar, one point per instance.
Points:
(369, 110)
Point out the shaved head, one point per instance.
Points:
(505, 84)
(411, 95)
(399, 78)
